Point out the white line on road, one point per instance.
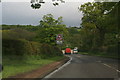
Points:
(110, 67)
(49, 75)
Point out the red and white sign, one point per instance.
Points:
(59, 37)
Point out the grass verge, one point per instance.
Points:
(17, 64)
(106, 55)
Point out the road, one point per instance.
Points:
(83, 66)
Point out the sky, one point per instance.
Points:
(47, 0)
(14, 13)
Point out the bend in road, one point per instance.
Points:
(82, 66)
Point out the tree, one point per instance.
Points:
(49, 21)
(51, 27)
(96, 14)
(99, 25)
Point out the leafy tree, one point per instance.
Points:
(49, 21)
(74, 37)
(50, 28)
(99, 25)
(96, 14)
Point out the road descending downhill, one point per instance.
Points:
(83, 66)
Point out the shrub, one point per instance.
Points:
(57, 51)
(18, 33)
(50, 51)
(23, 47)
(36, 48)
(15, 47)
(20, 47)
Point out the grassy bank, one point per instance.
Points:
(16, 64)
(106, 55)
(0, 75)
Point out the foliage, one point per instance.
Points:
(16, 47)
(17, 33)
(50, 51)
(49, 21)
(24, 27)
(101, 54)
(24, 47)
(73, 38)
(99, 32)
(24, 40)
(97, 13)
(50, 28)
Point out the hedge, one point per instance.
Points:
(16, 47)
(24, 47)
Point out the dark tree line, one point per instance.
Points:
(99, 30)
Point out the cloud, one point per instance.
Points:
(48, 0)
(22, 13)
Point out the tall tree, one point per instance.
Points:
(96, 13)
(50, 28)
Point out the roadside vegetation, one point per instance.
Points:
(27, 47)
(101, 54)
(15, 65)
(99, 32)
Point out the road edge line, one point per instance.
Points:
(56, 70)
(111, 67)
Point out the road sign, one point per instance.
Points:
(59, 42)
(59, 39)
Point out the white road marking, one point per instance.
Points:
(49, 75)
(117, 79)
(110, 67)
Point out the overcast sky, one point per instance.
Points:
(21, 13)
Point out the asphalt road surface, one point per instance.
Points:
(83, 66)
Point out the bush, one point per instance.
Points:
(57, 51)
(23, 47)
(18, 41)
(50, 51)
(15, 47)
(18, 33)
(20, 47)
(36, 48)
